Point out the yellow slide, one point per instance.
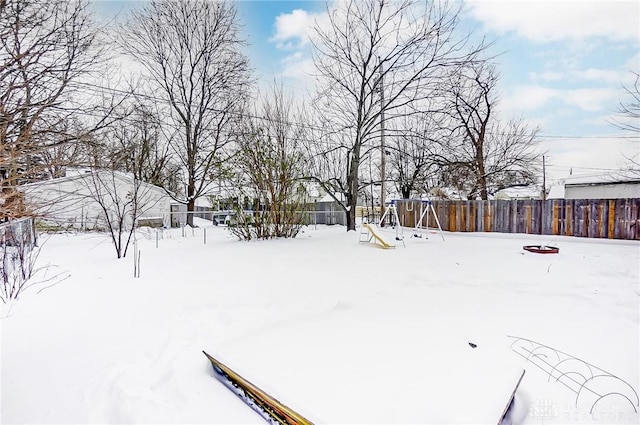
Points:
(372, 231)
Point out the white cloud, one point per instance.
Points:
(546, 76)
(545, 21)
(587, 156)
(533, 97)
(607, 75)
(527, 98)
(633, 63)
(590, 99)
(292, 30)
(298, 66)
(610, 76)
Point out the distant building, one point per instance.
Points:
(519, 193)
(71, 202)
(607, 186)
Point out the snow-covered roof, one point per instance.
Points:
(126, 177)
(608, 178)
(523, 192)
(329, 198)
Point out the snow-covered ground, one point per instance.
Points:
(341, 332)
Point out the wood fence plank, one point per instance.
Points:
(626, 219)
(555, 220)
(546, 217)
(452, 217)
(498, 217)
(442, 216)
(568, 214)
(480, 216)
(602, 224)
(611, 219)
(472, 216)
(579, 214)
(595, 219)
(563, 217)
(487, 217)
(636, 228)
(635, 219)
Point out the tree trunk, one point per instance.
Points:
(351, 219)
(482, 179)
(191, 200)
(191, 206)
(480, 159)
(406, 192)
(352, 182)
(484, 194)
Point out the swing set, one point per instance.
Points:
(426, 208)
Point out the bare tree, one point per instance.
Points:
(20, 268)
(411, 149)
(136, 145)
(630, 110)
(629, 120)
(272, 164)
(191, 51)
(482, 153)
(377, 58)
(120, 205)
(46, 46)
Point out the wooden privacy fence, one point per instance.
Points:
(593, 218)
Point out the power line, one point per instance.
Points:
(318, 128)
(238, 114)
(583, 168)
(550, 136)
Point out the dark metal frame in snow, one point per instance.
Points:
(584, 379)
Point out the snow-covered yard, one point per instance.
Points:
(339, 331)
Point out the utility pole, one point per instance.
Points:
(382, 147)
(544, 180)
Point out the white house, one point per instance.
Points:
(606, 186)
(79, 200)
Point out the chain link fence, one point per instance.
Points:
(19, 232)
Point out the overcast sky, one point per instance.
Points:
(563, 65)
